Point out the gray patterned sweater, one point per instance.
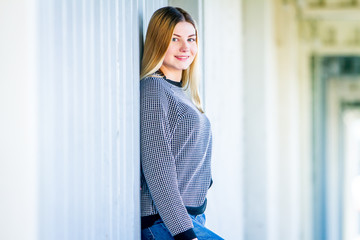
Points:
(176, 144)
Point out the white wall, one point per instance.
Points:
(18, 168)
(89, 117)
(223, 85)
(69, 89)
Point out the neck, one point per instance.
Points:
(172, 75)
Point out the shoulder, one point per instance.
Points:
(153, 84)
(156, 92)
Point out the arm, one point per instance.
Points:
(158, 163)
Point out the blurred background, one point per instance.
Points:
(280, 84)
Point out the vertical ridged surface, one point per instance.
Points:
(89, 55)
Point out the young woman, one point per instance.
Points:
(175, 133)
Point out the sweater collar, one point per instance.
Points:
(162, 75)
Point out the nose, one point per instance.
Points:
(185, 46)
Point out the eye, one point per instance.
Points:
(174, 39)
(192, 40)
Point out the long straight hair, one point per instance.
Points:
(158, 37)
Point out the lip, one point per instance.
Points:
(182, 57)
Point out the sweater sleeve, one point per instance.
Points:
(158, 164)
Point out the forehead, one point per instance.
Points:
(184, 28)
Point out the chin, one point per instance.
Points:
(185, 67)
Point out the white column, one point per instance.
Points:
(260, 115)
(288, 204)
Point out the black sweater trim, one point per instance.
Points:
(187, 235)
(148, 221)
(162, 75)
(197, 210)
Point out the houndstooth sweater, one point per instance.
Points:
(176, 147)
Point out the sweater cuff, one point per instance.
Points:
(187, 235)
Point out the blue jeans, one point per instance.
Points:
(158, 231)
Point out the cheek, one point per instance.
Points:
(194, 50)
(168, 55)
(170, 51)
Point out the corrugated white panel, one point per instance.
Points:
(18, 111)
(89, 117)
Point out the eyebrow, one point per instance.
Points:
(192, 35)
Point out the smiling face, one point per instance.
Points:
(181, 51)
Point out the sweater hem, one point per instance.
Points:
(187, 235)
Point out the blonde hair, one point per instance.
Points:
(158, 37)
